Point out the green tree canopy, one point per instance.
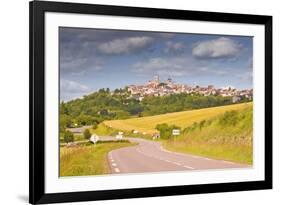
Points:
(68, 137)
(87, 134)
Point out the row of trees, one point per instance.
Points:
(105, 105)
(179, 102)
(68, 136)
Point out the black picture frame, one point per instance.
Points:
(37, 11)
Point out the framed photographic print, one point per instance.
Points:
(141, 102)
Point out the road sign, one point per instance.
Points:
(176, 132)
(94, 139)
(119, 137)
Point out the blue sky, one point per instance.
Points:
(91, 59)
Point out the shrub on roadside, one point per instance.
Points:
(95, 125)
(87, 134)
(166, 130)
(229, 118)
(202, 124)
(68, 137)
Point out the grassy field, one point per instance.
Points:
(227, 137)
(103, 130)
(225, 134)
(88, 159)
(182, 119)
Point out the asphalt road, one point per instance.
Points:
(149, 156)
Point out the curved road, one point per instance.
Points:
(149, 156)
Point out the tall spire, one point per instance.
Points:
(156, 78)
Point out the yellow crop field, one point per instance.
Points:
(182, 119)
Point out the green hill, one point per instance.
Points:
(229, 136)
(119, 104)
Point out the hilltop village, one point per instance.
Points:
(157, 88)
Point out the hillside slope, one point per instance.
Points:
(181, 119)
(229, 136)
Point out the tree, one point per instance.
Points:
(68, 137)
(201, 124)
(116, 91)
(229, 118)
(162, 84)
(65, 122)
(84, 120)
(95, 125)
(164, 130)
(87, 134)
(63, 108)
(134, 108)
(104, 112)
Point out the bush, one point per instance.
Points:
(194, 126)
(95, 125)
(187, 130)
(166, 130)
(87, 134)
(83, 120)
(68, 137)
(202, 124)
(229, 118)
(65, 122)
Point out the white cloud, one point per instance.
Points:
(178, 66)
(71, 89)
(218, 48)
(72, 65)
(72, 86)
(173, 47)
(173, 66)
(125, 45)
(245, 77)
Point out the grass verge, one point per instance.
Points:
(88, 159)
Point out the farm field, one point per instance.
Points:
(182, 119)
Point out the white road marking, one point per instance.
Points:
(181, 154)
(176, 163)
(188, 167)
(116, 170)
(227, 162)
(196, 157)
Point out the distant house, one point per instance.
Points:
(156, 136)
(236, 99)
(157, 88)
